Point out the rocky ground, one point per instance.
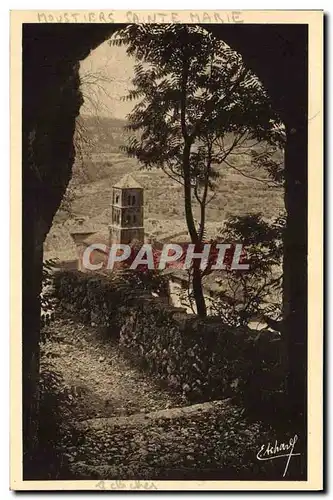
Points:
(103, 382)
(128, 427)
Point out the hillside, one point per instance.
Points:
(104, 134)
(94, 176)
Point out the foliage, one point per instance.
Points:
(198, 106)
(102, 299)
(257, 292)
(226, 105)
(56, 428)
(46, 296)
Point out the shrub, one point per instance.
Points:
(56, 431)
(103, 299)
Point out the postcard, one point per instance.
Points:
(167, 215)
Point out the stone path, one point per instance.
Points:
(104, 383)
(127, 427)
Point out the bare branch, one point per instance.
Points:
(267, 182)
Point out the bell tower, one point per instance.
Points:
(127, 212)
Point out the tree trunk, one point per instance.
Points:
(196, 277)
(188, 141)
(295, 267)
(198, 291)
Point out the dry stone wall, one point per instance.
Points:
(202, 359)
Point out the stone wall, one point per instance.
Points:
(202, 359)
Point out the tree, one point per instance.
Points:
(244, 295)
(199, 105)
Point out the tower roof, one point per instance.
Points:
(127, 182)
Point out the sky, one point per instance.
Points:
(113, 69)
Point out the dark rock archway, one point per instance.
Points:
(51, 102)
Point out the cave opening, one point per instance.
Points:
(51, 104)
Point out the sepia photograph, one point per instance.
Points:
(170, 239)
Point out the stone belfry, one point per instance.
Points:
(127, 212)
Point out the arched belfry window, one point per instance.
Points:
(133, 200)
(117, 198)
(128, 200)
